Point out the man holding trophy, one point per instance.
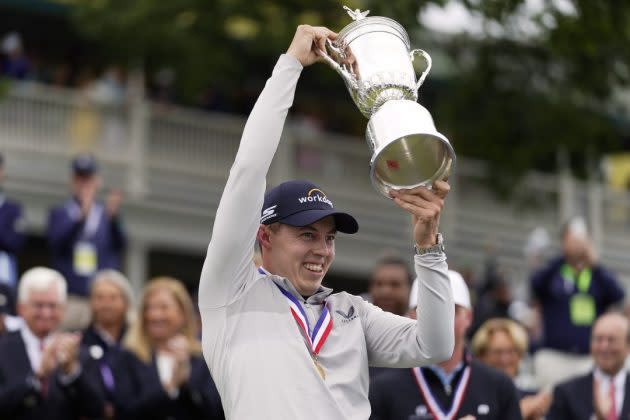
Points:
(279, 344)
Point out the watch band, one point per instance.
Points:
(438, 248)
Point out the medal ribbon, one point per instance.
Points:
(314, 339)
(434, 406)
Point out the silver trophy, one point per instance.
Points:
(373, 56)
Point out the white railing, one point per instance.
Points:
(179, 155)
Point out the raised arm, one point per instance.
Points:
(228, 262)
(399, 342)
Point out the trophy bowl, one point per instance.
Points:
(407, 151)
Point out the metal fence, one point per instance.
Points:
(181, 156)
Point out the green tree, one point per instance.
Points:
(527, 94)
(512, 98)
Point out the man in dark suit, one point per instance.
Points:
(42, 375)
(12, 236)
(84, 235)
(459, 388)
(603, 394)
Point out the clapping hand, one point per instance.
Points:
(67, 352)
(49, 359)
(179, 348)
(112, 203)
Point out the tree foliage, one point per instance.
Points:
(526, 95)
(512, 98)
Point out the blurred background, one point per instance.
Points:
(533, 94)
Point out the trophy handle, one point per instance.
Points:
(347, 76)
(427, 58)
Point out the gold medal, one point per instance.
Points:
(319, 368)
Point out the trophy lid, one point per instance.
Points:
(362, 25)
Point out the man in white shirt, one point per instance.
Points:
(279, 344)
(602, 394)
(40, 372)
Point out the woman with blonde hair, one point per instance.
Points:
(163, 371)
(501, 343)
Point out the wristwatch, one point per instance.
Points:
(438, 248)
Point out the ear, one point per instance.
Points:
(264, 237)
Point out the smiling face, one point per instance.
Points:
(609, 342)
(108, 303)
(301, 254)
(502, 353)
(163, 315)
(389, 288)
(42, 311)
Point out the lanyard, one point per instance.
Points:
(315, 339)
(583, 277)
(434, 406)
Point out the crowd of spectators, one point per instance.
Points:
(73, 342)
(159, 354)
(79, 346)
(564, 357)
(108, 85)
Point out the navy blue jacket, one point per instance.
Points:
(395, 395)
(90, 337)
(198, 398)
(65, 231)
(11, 236)
(549, 288)
(21, 399)
(573, 400)
(105, 356)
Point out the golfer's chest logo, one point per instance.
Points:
(347, 316)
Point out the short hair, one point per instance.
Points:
(274, 227)
(393, 260)
(40, 279)
(119, 280)
(481, 339)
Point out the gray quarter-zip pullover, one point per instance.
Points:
(251, 342)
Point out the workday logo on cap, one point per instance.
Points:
(301, 203)
(315, 195)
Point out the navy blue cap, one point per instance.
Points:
(300, 203)
(84, 165)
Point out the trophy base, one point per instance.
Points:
(407, 151)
